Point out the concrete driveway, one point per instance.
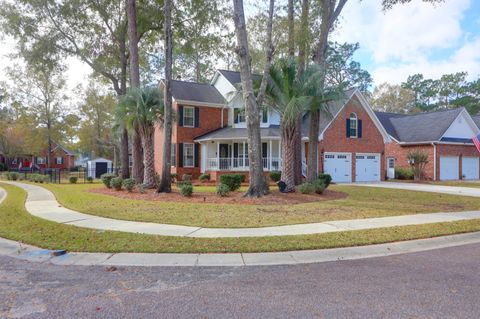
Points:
(435, 284)
(431, 188)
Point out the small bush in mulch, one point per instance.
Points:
(12, 176)
(275, 176)
(90, 179)
(404, 173)
(187, 178)
(326, 178)
(142, 189)
(319, 186)
(73, 179)
(129, 184)
(107, 178)
(233, 181)
(186, 189)
(116, 183)
(223, 190)
(306, 188)
(174, 177)
(204, 177)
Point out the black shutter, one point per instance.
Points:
(348, 127)
(264, 115)
(180, 115)
(359, 128)
(264, 150)
(180, 155)
(197, 155)
(235, 150)
(235, 116)
(197, 117)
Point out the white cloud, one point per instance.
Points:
(403, 41)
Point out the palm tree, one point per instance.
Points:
(291, 95)
(143, 107)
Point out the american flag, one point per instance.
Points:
(476, 141)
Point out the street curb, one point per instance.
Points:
(30, 253)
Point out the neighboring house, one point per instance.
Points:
(355, 144)
(61, 158)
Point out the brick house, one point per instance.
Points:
(355, 143)
(61, 158)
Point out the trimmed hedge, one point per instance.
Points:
(320, 186)
(106, 179)
(129, 184)
(223, 190)
(326, 178)
(73, 179)
(404, 173)
(233, 181)
(275, 176)
(306, 188)
(186, 190)
(116, 183)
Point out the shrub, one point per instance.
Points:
(275, 176)
(223, 190)
(418, 160)
(116, 183)
(90, 179)
(3, 167)
(174, 177)
(73, 179)
(186, 189)
(46, 179)
(12, 176)
(204, 177)
(320, 186)
(233, 181)
(403, 173)
(186, 178)
(142, 188)
(326, 178)
(306, 188)
(129, 184)
(106, 179)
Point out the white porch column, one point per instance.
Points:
(280, 154)
(244, 152)
(218, 155)
(270, 155)
(231, 156)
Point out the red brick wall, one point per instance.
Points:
(210, 120)
(400, 153)
(336, 140)
(68, 160)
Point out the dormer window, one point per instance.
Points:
(353, 126)
(239, 115)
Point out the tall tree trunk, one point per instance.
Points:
(124, 167)
(165, 179)
(291, 29)
(137, 152)
(288, 156)
(148, 159)
(258, 184)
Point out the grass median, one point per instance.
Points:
(17, 224)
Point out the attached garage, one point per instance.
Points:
(449, 168)
(339, 166)
(470, 167)
(367, 168)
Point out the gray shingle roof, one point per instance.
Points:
(234, 76)
(197, 92)
(423, 127)
(239, 133)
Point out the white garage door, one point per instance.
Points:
(470, 167)
(339, 166)
(448, 168)
(367, 168)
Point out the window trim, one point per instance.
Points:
(185, 108)
(61, 160)
(41, 160)
(239, 111)
(185, 156)
(353, 120)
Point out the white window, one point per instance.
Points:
(130, 160)
(188, 116)
(41, 160)
(353, 125)
(59, 160)
(264, 115)
(239, 115)
(188, 155)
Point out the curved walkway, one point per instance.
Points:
(42, 203)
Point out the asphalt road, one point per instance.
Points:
(442, 283)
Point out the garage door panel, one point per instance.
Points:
(367, 168)
(449, 168)
(339, 166)
(470, 167)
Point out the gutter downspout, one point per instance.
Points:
(434, 161)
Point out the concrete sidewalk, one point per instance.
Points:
(441, 189)
(30, 253)
(42, 203)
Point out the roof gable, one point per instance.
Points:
(463, 127)
(205, 93)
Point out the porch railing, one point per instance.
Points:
(241, 164)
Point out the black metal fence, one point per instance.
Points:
(61, 176)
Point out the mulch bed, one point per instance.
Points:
(274, 198)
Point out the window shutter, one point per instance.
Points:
(264, 150)
(348, 127)
(264, 115)
(235, 150)
(180, 115)
(197, 155)
(61, 161)
(197, 117)
(180, 154)
(235, 116)
(359, 128)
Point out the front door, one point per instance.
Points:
(391, 167)
(225, 161)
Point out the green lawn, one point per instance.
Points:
(474, 184)
(361, 202)
(17, 224)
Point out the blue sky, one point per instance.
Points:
(414, 38)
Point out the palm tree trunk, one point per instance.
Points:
(258, 184)
(298, 151)
(124, 154)
(137, 155)
(288, 157)
(148, 159)
(312, 160)
(165, 178)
